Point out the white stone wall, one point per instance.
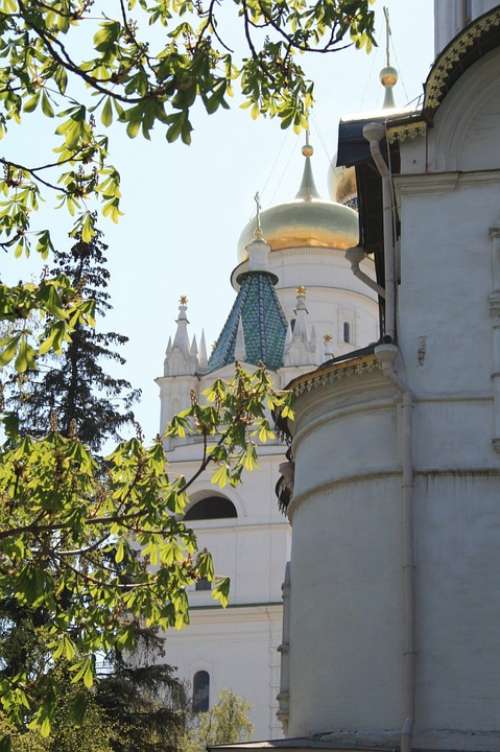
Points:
(238, 646)
(345, 573)
(347, 629)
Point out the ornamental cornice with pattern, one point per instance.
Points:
(365, 364)
(436, 84)
(406, 131)
(452, 55)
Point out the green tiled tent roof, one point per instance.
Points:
(264, 325)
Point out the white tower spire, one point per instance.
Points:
(182, 358)
(181, 339)
(300, 348)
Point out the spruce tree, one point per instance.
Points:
(145, 700)
(75, 385)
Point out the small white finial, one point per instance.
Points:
(327, 345)
(301, 299)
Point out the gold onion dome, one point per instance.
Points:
(306, 222)
(342, 184)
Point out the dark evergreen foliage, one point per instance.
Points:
(145, 699)
(76, 385)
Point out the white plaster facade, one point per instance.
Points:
(349, 617)
(238, 646)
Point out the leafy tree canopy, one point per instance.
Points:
(85, 63)
(227, 722)
(94, 731)
(98, 555)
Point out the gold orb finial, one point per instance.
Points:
(327, 338)
(301, 290)
(307, 149)
(388, 76)
(183, 300)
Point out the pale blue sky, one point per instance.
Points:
(186, 206)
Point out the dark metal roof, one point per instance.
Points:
(353, 149)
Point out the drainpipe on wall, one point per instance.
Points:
(387, 354)
(284, 693)
(355, 256)
(374, 133)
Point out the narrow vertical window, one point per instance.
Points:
(201, 692)
(203, 584)
(347, 331)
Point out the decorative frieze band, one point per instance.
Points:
(336, 372)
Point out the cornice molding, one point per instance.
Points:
(450, 64)
(432, 182)
(436, 86)
(388, 473)
(327, 375)
(406, 131)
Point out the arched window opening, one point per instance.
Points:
(203, 584)
(347, 331)
(201, 692)
(211, 508)
(292, 324)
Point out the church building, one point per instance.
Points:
(381, 311)
(296, 303)
(392, 632)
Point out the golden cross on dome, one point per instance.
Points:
(327, 338)
(183, 300)
(258, 209)
(301, 290)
